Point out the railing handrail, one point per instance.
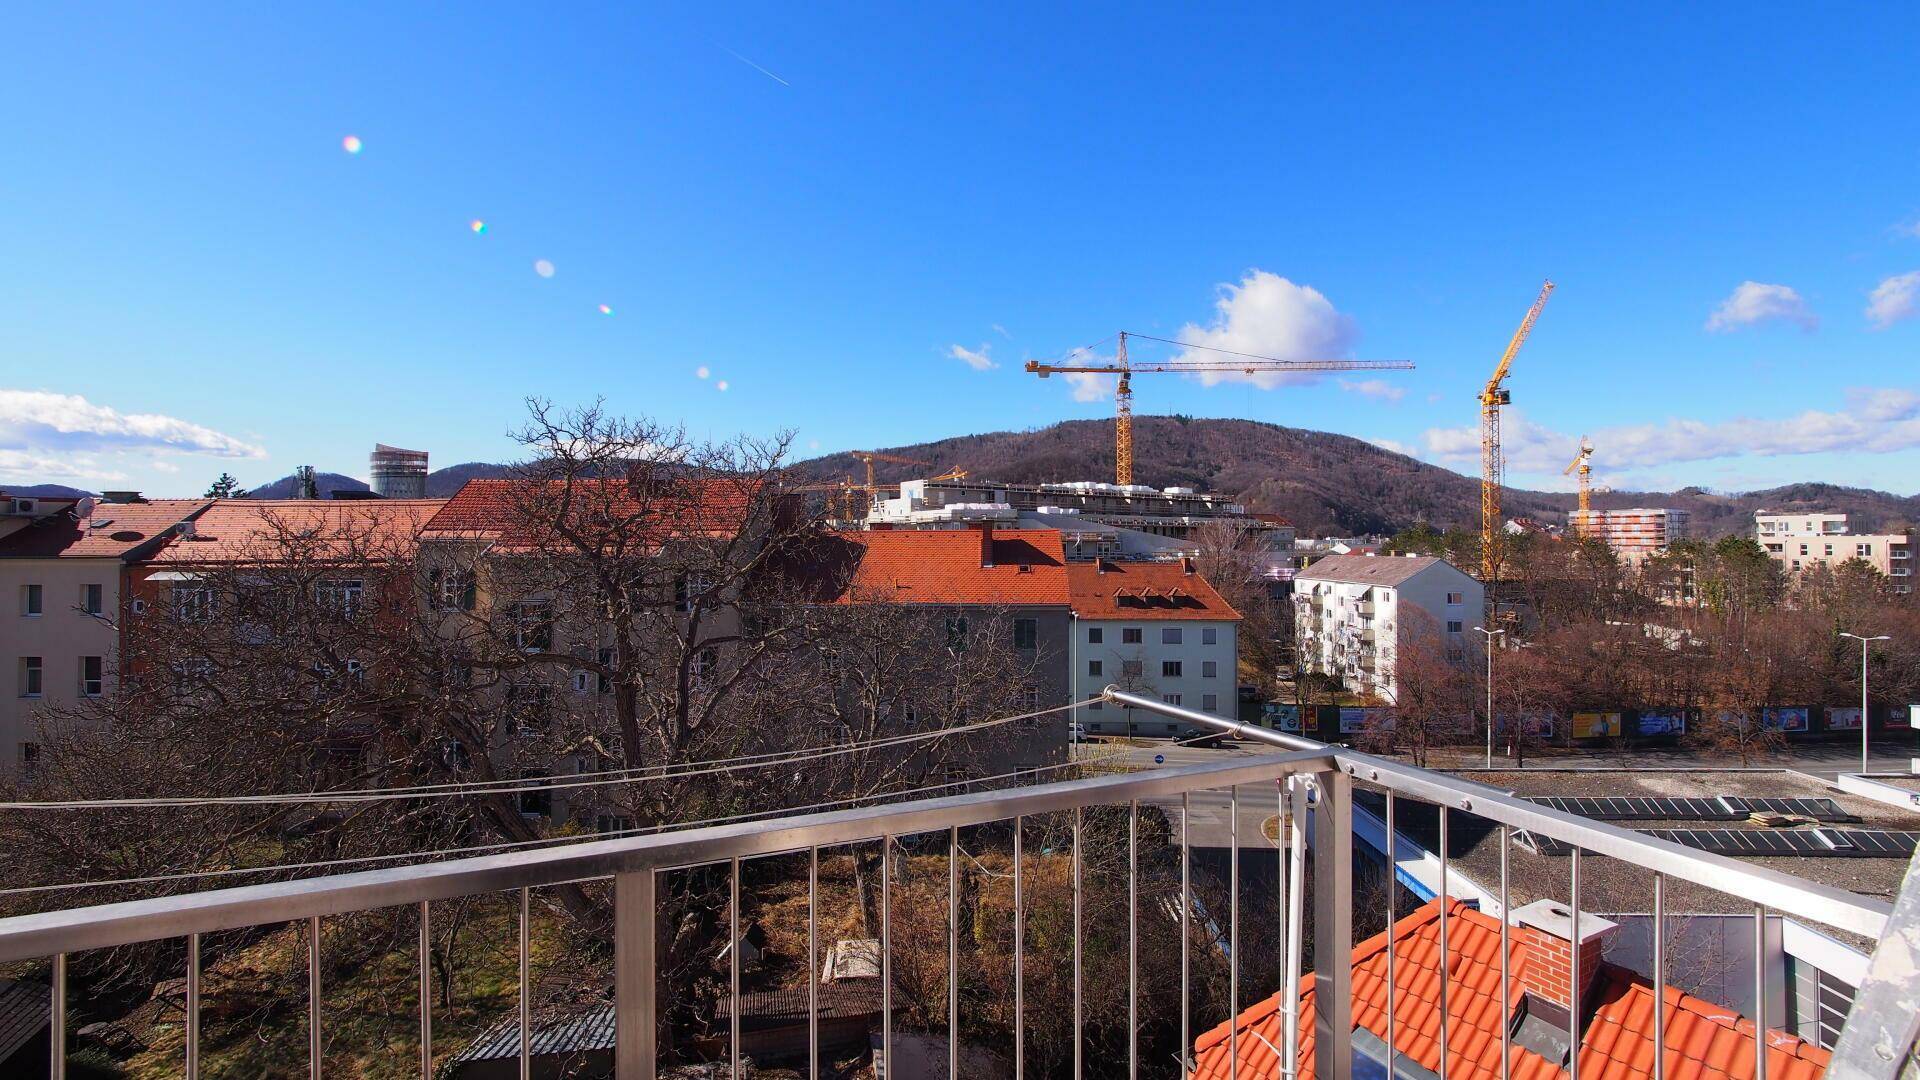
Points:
(26, 937)
(1784, 893)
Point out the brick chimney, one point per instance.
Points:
(1554, 958)
(986, 542)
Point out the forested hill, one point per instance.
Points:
(1325, 483)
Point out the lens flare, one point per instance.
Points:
(351, 144)
(701, 372)
(721, 386)
(477, 226)
(605, 309)
(543, 268)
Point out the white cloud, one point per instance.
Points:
(1894, 299)
(64, 423)
(1753, 303)
(977, 359)
(1875, 421)
(163, 465)
(1378, 389)
(1002, 331)
(1910, 229)
(29, 467)
(1091, 385)
(1267, 315)
(1396, 446)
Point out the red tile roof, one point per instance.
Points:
(495, 509)
(939, 566)
(250, 530)
(1703, 1041)
(1144, 590)
(110, 531)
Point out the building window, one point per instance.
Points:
(1209, 669)
(1169, 635)
(191, 603)
(1171, 699)
(30, 601)
(606, 660)
(92, 599)
(1863, 550)
(1454, 627)
(1456, 656)
(93, 680)
(1210, 702)
(29, 755)
(702, 666)
(530, 707)
(532, 626)
(1030, 702)
(1829, 548)
(1026, 633)
(536, 801)
(1095, 667)
(1169, 669)
(688, 590)
(957, 632)
(31, 676)
(1095, 705)
(342, 597)
(1095, 635)
(1131, 669)
(1209, 635)
(1131, 635)
(1455, 599)
(454, 589)
(1803, 549)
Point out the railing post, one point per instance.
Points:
(636, 1016)
(1333, 926)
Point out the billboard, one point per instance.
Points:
(1790, 718)
(1843, 719)
(1280, 717)
(1596, 725)
(1662, 722)
(1354, 719)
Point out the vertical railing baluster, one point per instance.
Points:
(1133, 939)
(1393, 884)
(635, 969)
(426, 992)
(1333, 927)
(1760, 990)
(57, 1022)
(193, 1007)
(1659, 977)
(1233, 932)
(813, 963)
(733, 958)
(1446, 969)
(1186, 925)
(526, 981)
(886, 956)
(1296, 918)
(1573, 967)
(1079, 1018)
(953, 951)
(314, 1044)
(1506, 988)
(1281, 828)
(1019, 957)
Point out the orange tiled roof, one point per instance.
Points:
(938, 566)
(249, 530)
(1144, 590)
(492, 509)
(110, 531)
(1703, 1041)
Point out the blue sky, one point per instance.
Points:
(817, 209)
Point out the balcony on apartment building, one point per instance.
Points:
(1461, 986)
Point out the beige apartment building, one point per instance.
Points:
(62, 574)
(1634, 535)
(1800, 541)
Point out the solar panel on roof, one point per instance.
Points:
(1721, 808)
(1767, 843)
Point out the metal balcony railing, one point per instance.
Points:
(1316, 788)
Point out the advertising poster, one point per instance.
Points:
(1663, 722)
(1281, 717)
(1789, 719)
(1539, 726)
(1354, 719)
(1843, 719)
(1596, 725)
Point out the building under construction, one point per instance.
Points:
(397, 473)
(1634, 534)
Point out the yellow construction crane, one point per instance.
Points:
(1582, 472)
(868, 457)
(1492, 466)
(1123, 393)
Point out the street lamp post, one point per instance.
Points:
(1491, 634)
(1866, 706)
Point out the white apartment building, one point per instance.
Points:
(62, 569)
(1633, 534)
(1800, 541)
(1152, 628)
(1349, 611)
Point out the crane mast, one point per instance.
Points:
(1582, 472)
(1492, 464)
(1123, 419)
